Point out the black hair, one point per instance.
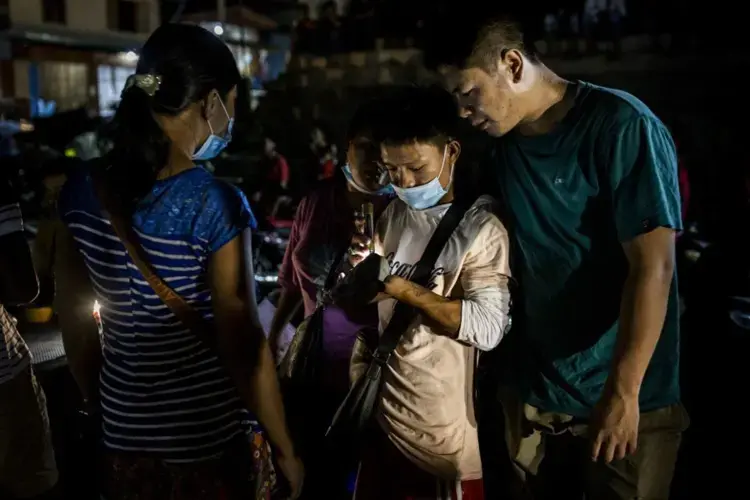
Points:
(407, 114)
(474, 38)
(190, 62)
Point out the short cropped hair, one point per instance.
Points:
(474, 40)
(407, 114)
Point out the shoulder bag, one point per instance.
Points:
(300, 366)
(355, 414)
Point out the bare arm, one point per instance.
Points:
(481, 315)
(445, 312)
(74, 298)
(291, 296)
(642, 167)
(242, 344)
(289, 303)
(643, 309)
(642, 171)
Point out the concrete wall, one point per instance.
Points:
(315, 5)
(68, 76)
(21, 79)
(89, 15)
(26, 11)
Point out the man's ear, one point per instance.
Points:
(454, 151)
(513, 64)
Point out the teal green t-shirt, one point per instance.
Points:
(605, 175)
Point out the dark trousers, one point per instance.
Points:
(329, 473)
(500, 479)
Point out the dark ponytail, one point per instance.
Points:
(141, 148)
(190, 62)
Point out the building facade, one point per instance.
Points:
(315, 5)
(260, 49)
(75, 53)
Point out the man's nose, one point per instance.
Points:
(403, 180)
(464, 111)
(466, 106)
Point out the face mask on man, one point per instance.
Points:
(214, 144)
(427, 195)
(383, 191)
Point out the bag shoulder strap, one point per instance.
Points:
(404, 314)
(330, 281)
(184, 312)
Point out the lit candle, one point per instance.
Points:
(96, 313)
(368, 210)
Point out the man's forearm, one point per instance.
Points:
(642, 314)
(441, 310)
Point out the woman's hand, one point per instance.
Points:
(294, 472)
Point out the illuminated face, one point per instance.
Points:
(363, 156)
(491, 101)
(416, 164)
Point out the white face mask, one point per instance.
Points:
(427, 195)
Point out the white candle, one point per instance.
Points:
(96, 313)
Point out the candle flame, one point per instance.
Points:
(97, 307)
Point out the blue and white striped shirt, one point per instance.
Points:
(163, 391)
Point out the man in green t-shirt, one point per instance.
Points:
(588, 177)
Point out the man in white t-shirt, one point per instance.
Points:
(427, 445)
(27, 460)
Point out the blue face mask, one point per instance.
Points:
(214, 144)
(384, 191)
(427, 195)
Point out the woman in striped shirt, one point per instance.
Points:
(174, 410)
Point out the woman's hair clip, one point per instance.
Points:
(148, 83)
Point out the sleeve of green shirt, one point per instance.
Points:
(642, 170)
